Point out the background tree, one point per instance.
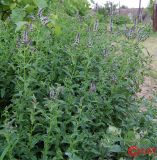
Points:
(124, 7)
(150, 7)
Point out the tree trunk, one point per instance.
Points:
(139, 12)
(155, 18)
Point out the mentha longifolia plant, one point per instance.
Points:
(67, 96)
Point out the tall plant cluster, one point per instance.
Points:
(151, 7)
(68, 95)
(27, 7)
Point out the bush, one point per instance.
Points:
(120, 20)
(150, 7)
(73, 7)
(69, 95)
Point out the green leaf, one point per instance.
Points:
(57, 30)
(17, 15)
(29, 8)
(5, 2)
(41, 3)
(20, 25)
(7, 148)
(72, 156)
(5, 151)
(13, 5)
(113, 130)
(145, 143)
(116, 149)
(130, 135)
(2, 93)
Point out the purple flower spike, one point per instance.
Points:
(25, 37)
(40, 12)
(92, 87)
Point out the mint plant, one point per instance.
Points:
(68, 92)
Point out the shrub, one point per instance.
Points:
(72, 94)
(73, 7)
(120, 20)
(150, 7)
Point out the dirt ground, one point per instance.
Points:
(149, 87)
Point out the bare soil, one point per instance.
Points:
(149, 87)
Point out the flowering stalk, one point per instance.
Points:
(92, 87)
(111, 17)
(90, 43)
(40, 12)
(105, 52)
(77, 39)
(96, 25)
(25, 37)
(44, 20)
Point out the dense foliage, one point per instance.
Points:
(21, 10)
(151, 7)
(120, 20)
(68, 91)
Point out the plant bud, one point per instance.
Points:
(92, 87)
(25, 37)
(52, 94)
(40, 12)
(105, 52)
(90, 43)
(77, 39)
(31, 27)
(45, 20)
(96, 25)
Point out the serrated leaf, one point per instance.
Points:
(29, 8)
(113, 130)
(12, 6)
(5, 2)
(72, 156)
(17, 15)
(57, 30)
(41, 3)
(2, 93)
(20, 25)
(116, 149)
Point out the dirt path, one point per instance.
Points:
(150, 83)
(151, 45)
